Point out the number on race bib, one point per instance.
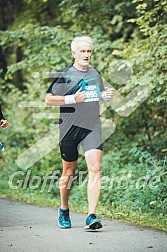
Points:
(92, 92)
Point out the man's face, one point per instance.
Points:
(82, 54)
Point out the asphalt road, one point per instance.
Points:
(25, 228)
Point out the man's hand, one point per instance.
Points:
(4, 123)
(80, 96)
(107, 94)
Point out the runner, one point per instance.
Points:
(3, 121)
(77, 90)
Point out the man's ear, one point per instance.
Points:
(73, 54)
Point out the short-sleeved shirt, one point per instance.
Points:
(84, 114)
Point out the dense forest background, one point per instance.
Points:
(35, 42)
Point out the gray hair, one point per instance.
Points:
(76, 40)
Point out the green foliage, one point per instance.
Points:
(139, 184)
(31, 39)
(99, 17)
(35, 41)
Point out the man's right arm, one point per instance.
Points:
(54, 100)
(58, 100)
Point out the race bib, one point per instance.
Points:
(92, 92)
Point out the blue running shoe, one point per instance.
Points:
(64, 218)
(93, 222)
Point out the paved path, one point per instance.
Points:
(25, 228)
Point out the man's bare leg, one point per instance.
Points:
(93, 160)
(65, 181)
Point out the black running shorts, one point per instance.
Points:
(76, 137)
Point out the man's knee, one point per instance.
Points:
(68, 171)
(95, 167)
